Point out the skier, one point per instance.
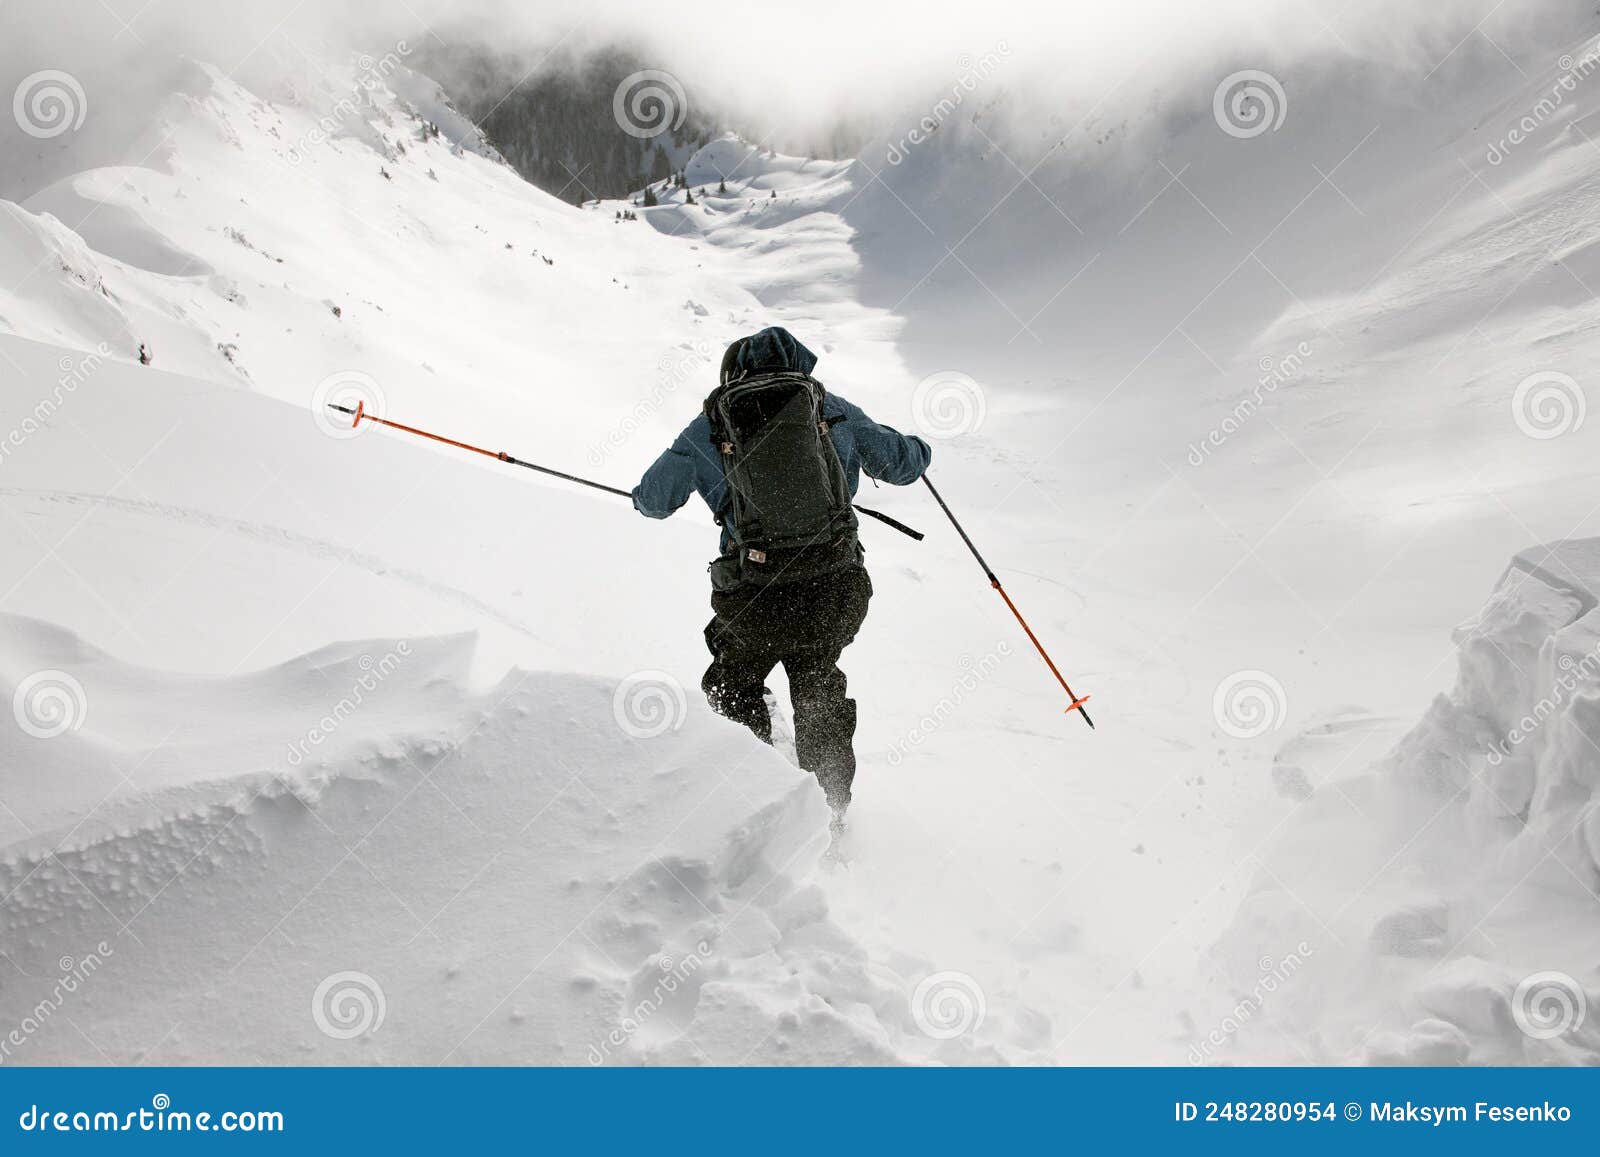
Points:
(778, 459)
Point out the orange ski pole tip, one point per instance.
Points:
(360, 409)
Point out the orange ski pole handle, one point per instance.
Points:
(1076, 703)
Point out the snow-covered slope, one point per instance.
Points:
(510, 878)
(348, 231)
(1277, 407)
(226, 548)
(1441, 908)
(1018, 887)
(265, 861)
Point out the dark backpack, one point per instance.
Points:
(787, 495)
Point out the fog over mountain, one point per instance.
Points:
(808, 79)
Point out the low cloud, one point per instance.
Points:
(798, 69)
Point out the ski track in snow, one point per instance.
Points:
(277, 536)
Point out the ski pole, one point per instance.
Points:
(894, 522)
(359, 413)
(1076, 704)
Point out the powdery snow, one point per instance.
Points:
(552, 867)
(516, 876)
(482, 841)
(1473, 846)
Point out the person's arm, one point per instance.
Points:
(885, 453)
(670, 480)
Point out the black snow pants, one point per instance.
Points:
(804, 625)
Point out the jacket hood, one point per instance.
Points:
(774, 348)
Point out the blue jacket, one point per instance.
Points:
(692, 462)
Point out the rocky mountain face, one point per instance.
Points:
(557, 120)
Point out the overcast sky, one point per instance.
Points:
(814, 60)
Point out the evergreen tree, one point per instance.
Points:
(650, 197)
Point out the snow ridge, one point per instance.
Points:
(1443, 902)
(549, 888)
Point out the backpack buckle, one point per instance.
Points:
(726, 448)
(756, 555)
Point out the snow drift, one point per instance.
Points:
(1441, 909)
(561, 870)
